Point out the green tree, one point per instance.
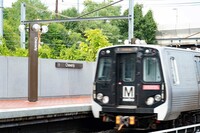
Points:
(20, 52)
(12, 38)
(95, 40)
(150, 27)
(138, 22)
(144, 26)
(107, 27)
(45, 52)
(69, 53)
(34, 10)
(58, 37)
(4, 51)
(70, 13)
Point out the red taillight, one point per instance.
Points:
(151, 87)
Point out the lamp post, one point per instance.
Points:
(33, 62)
(35, 31)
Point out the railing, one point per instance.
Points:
(185, 129)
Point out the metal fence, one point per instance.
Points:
(185, 129)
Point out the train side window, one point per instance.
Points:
(197, 64)
(151, 70)
(174, 69)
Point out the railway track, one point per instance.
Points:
(87, 125)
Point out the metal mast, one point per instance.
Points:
(23, 32)
(131, 21)
(1, 18)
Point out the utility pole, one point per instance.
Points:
(23, 32)
(1, 19)
(56, 11)
(131, 21)
(78, 6)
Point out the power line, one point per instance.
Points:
(169, 4)
(33, 7)
(100, 8)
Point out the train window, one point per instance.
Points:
(151, 70)
(104, 69)
(127, 67)
(174, 71)
(197, 64)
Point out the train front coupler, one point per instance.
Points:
(124, 121)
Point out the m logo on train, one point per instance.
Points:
(128, 93)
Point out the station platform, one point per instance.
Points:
(22, 108)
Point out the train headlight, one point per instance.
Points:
(105, 99)
(158, 97)
(150, 101)
(99, 96)
(147, 51)
(107, 51)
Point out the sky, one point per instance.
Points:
(167, 13)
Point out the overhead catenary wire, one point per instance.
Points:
(80, 18)
(33, 7)
(99, 9)
(167, 3)
(113, 3)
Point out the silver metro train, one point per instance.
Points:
(147, 86)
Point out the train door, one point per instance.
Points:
(126, 75)
(197, 67)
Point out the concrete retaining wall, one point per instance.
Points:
(52, 81)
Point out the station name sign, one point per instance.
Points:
(68, 65)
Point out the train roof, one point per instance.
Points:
(159, 47)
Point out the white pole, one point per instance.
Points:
(23, 32)
(131, 21)
(78, 4)
(1, 18)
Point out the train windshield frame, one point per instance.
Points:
(104, 69)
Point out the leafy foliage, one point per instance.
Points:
(20, 52)
(10, 36)
(95, 40)
(71, 12)
(138, 22)
(149, 30)
(12, 19)
(45, 52)
(144, 26)
(4, 51)
(75, 40)
(108, 28)
(69, 53)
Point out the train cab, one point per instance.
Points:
(128, 85)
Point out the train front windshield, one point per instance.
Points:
(104, 71)
(127, 67)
